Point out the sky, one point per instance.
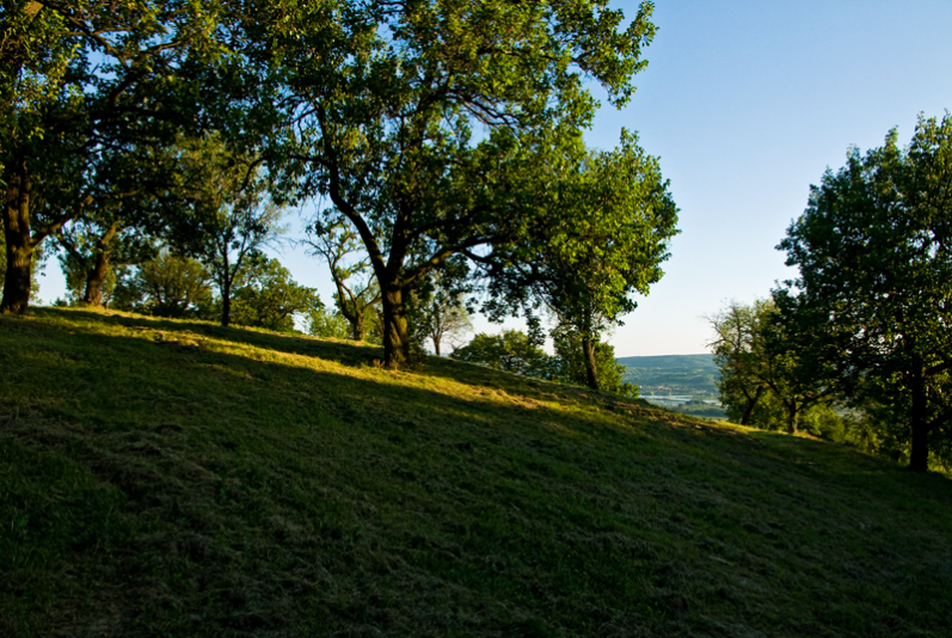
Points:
(746, 103)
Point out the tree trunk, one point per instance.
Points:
(97, 275)
(357, 326)
(16, 228)
(919, 453)
(751, 404)
(396, 336)
(793, 417)
(226, 303)
(588, 356)
(95, 278)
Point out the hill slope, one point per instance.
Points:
(165, 478)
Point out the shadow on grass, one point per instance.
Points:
(261, 495)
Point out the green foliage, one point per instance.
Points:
(761, 360)
(510, 351)
(167, 286)
(872, 304)
(358, 295)
(269, 298)
(437, 313)
(327, 324)
(602, 235)
(231, 219)
(83, 84)
(380, 102)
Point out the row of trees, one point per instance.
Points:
(867, 324)
(444, 139)
(514, 351)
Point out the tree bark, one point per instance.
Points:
(20, 245)
(357, 326)
(751, 404)
(793, 417)
(591, 368)
(919, 452)
(396, 336)
(226, 302)
(96, 276)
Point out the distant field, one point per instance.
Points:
(683, 382)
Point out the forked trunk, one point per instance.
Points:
(16, 228)
(96, 276)
(591, 368)
(396, 336)
(751, 404)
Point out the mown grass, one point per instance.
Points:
(161, 478)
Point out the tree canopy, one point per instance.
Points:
(78, 81)
(873, 300)
(603, 236)
(427, 125)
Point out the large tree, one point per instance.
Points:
(874, 295)
(78, 80)
(603, 236)
(418, 120)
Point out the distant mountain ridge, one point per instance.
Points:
(676, 374)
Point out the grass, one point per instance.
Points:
(162, 478)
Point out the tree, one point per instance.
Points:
(171, 286)
(326, 324)
(381, 100)
(356, 294)
(874, 294)
(573, 366)
(739, 352)
(764, 370)
(270, 298)
(438, 311)
(510, 351)
(233, 218)
(79, 80)
(604, 236)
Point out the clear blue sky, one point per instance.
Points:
(747, 103)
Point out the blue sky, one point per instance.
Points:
(747, 103)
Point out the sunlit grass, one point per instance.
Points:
(165, 478)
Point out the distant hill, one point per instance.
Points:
(676, 374)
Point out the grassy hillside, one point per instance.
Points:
(180, 479)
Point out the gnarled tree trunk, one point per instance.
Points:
(96, 276)
(591, 366)
(396, 335)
